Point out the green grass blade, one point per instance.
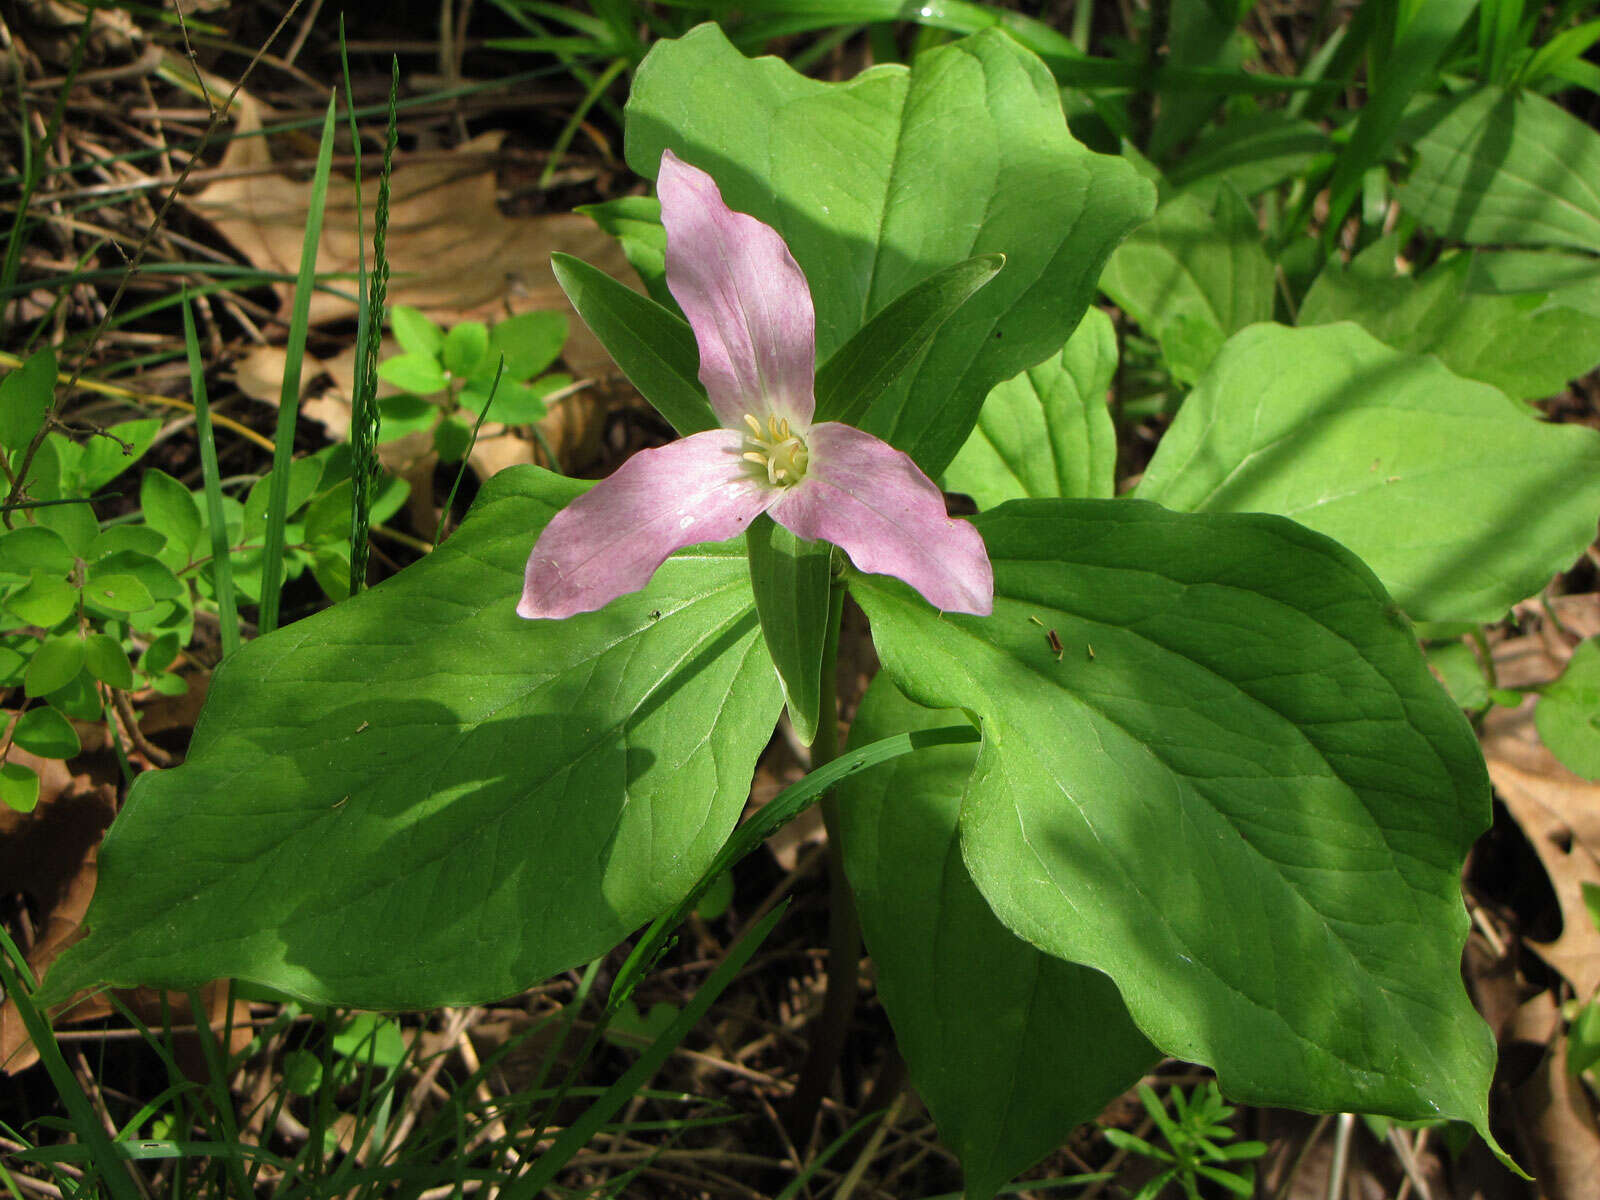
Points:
(580, 1132)
(1499, 27)
(289, 396)
(444, 513)
(595, 91)
(799, 1183)
(778, 812)
(221, 561)
(1418, 48)
(216, 1086)
(111, 1170)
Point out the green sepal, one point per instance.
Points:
(791, 580)
(860, 371)
(654, 347)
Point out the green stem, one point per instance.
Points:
(844, 930)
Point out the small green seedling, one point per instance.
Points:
(1197, 1144)
(446, 379)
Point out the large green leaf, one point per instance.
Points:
(1194, 275)
(1555, 280)
(1459, 498)
(1047, 432)
(1252, 153)
(1495, 167)
(1237, 791)
(1010, 1047)
(877, 183)
(1526, 344)
(418, 798)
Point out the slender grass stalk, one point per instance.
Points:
(364, 417)
(289, 396)
(580, 1132)
(820, 1159)
(216, 1087)
(444, 513)
(569, 1014)
(597, 89)
(221, 562)
(111, 1169)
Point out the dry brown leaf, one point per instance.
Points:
(1556, 1119)
(50, 855)
(1560, 815)
(452, 252)
(1558, 812)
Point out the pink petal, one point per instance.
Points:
(865, 496)
(610, 540)
(745, 297)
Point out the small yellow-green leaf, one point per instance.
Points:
(452, 439)
(30, 548)
(19, 787)
(1568, 713)
(45, 732)
(160, 654)
(415, 332)
(465, 347)
(45, 600)
(530, 343)
(108, 661)
(419, 374)
(118, 593)
(170, 508)
(25, 396)
(55, 664)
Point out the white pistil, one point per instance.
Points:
(776, 450)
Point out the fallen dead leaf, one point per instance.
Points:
(1558, 812)
(452, 252)
(50, 855)
(1556, 1119)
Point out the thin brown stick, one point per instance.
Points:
(130, 725)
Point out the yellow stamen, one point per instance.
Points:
(777, 450)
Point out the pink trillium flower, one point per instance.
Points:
(750, 308)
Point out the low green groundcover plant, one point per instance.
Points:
(1193, 789)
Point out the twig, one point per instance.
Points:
(858, 1169)
(1341, 1156)
(1315, 1136)
(130, 723)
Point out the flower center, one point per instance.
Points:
(776, 451)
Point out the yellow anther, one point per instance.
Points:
(776, 449)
